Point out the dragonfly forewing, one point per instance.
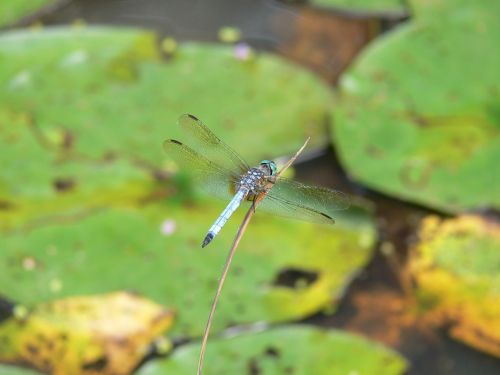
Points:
(210, 146)
(208, 175)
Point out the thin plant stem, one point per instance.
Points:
(232, 251)
(225, 270)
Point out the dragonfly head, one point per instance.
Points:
(269, 167)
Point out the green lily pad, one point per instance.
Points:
(13, 370)
(100, 73)
(74, 189)
(79, 105)
(457, 269)
(156, 251)
(419, 120)
(110, 333)
(364, 6)
(297, 350)
(109, 92)
(13, 10)
(434, 9)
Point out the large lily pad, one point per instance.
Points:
(80, 105)
(108, 334)
(106, 71)
(297, 350)
(418, 120)
(457, 269)
(283, 269)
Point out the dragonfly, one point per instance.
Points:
(219, 170)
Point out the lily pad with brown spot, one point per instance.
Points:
(297, 350)
(106, 334)
(456, 266)
(283, 270)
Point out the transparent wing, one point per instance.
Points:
(298, 201)
(210, 176)
(209, 145)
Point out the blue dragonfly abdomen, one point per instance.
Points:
(249, 186)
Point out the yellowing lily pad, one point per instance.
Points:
(457, 269)
(283, 269)
(297, 350)
(418, 119)
(106, 334)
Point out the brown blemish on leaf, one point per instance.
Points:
(6, 205)
(415, 176)
(67, 139)
(97, 365)
(294, 277)
(271, 351)
(253, 367)
(64, 184)
(6, 309)
(374, 151)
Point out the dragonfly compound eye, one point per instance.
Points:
(270, 165)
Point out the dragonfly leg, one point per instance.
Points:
(254, 199)
(271, 179)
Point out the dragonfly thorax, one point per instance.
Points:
(253, 181)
